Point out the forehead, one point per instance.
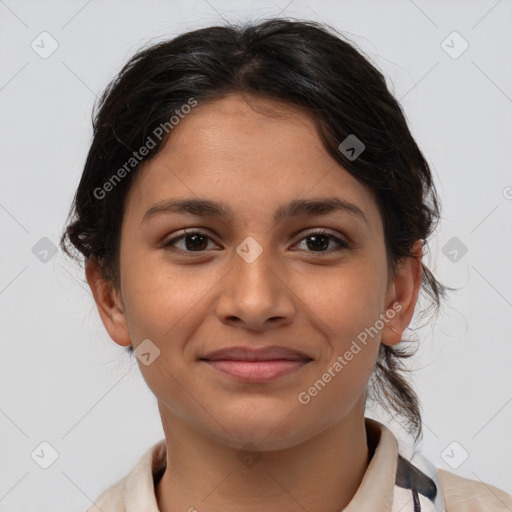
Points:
(233, 127)
(253, 156)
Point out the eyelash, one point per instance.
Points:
(341, 243)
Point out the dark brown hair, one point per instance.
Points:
(302, 63)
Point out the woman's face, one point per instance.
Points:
(252, 278)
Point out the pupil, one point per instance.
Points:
(316, 239)
(318, 242)
(197, 243)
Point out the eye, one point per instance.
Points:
(192, 241)
(319, 240)
(197, 241)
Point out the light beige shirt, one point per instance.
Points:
(377, 492)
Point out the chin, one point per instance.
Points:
(266, 429)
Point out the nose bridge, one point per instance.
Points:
(253, 269)
(254, 290)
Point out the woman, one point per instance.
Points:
(252, 213)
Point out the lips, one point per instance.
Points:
(271, 353)
(261, 365)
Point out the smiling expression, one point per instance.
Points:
(230, 176)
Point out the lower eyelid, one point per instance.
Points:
(340, 242)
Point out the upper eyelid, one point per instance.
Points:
(308, 232)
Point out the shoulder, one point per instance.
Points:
(111, 499)
(136, 490)
(465, 495)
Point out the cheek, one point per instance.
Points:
(160, 300)
(347, 306)
(346, 313)
(163, 306)
(347, 300)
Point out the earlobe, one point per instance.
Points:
(403, 290)
(109, 304)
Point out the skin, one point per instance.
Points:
(316, 301)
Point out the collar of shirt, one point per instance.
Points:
(391, 482)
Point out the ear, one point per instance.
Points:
(402, 296)
(109, 304)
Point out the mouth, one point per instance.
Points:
(256, 365)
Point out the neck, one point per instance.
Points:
(321, 474)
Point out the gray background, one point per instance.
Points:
(65, 382)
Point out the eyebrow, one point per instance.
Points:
(294, 208)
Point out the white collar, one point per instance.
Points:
(378, 491)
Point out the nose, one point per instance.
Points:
(255, 295)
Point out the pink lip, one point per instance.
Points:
(257, 371)
(256, 354)
(257, 365)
